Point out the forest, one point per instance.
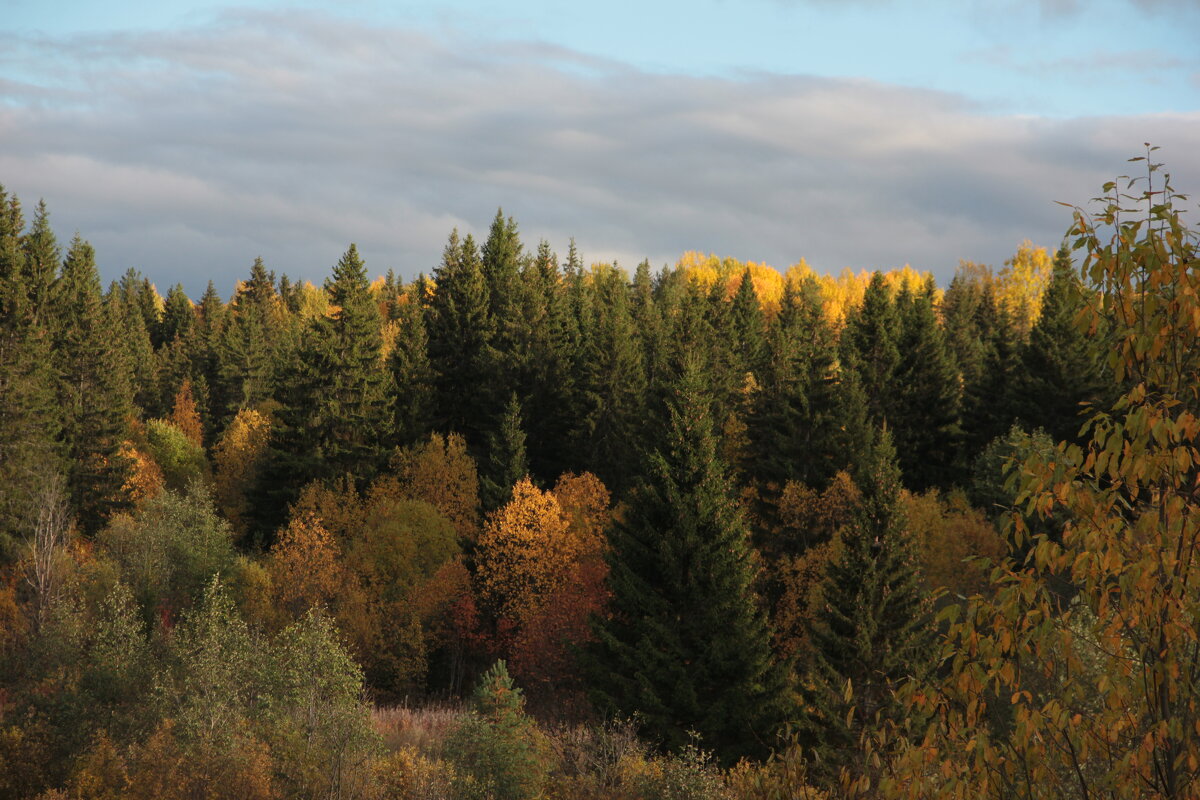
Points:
(528, 527)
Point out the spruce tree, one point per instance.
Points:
(612, 382)
(748, 327)
(990, 403)
(927, 396)
(29, 419)
(506, 462)
(460, 331)
(412, 373)
(1062, 364)
(92, 393)
(547, 373)
(800, 426)
(872, 630)
(686, 648)
(335, 416)
(869, 345)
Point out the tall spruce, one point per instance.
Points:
(611, 380)
(29, 419)
(412, 373)
(872, 630)
(869, 345)
(335, 415)
(686, 648)
(92, 395)
(801, 426)
(927, 396)
(1062, 363)
(506, 461)
(460, 332)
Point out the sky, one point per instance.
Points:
(186, 137)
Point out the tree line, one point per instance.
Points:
(735, 507)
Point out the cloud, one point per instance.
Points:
(186, 154)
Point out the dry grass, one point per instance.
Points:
(421, 729)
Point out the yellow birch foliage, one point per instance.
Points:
(1095, 696)
(525, 552)
(1022, 282)
(145, 478)
(304, 566)
(442, 473)
(238, 458)
(584, 501)
(184, 414)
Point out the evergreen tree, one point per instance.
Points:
(506, 462)
(178, 316)
(869, 346)
(546, 380)
(412, 373)
(92, 393)
(611, 381)
(126, 319)
(872, 631)
(41, 263)
(989, 402)
(801, 426)
(29, 421)
(747, 327)
(335, 414)
(251, 345)
(1062, 364)
(460, 342)
(927, 396)
(686, 649)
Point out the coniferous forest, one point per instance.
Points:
(533, 527)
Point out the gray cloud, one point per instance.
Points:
(288, 136)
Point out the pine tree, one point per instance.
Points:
(800, 426)
(612, 382)
(460, 330)
(1062, 364)
(869, 346)
(335, 416)
(29, 421)
(872, 631)
(412, 373)
(92, 393)
(506, 461)
(927, 396)
(686, 648)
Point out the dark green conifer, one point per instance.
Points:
(611, 380)
(29, 418)
(335, 415)
(869, 346)
(412, 372)
(506, 461)
(799, 424)
(460, 342)
(686, 648)
(872, 630)
(1062, 364)
(926, 396)
(92, 395)
(178, 316)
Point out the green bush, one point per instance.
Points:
(496, 748)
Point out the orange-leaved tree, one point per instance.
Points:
(1098, 695)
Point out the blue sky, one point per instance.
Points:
(186, 137)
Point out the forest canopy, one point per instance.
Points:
(528, 527)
